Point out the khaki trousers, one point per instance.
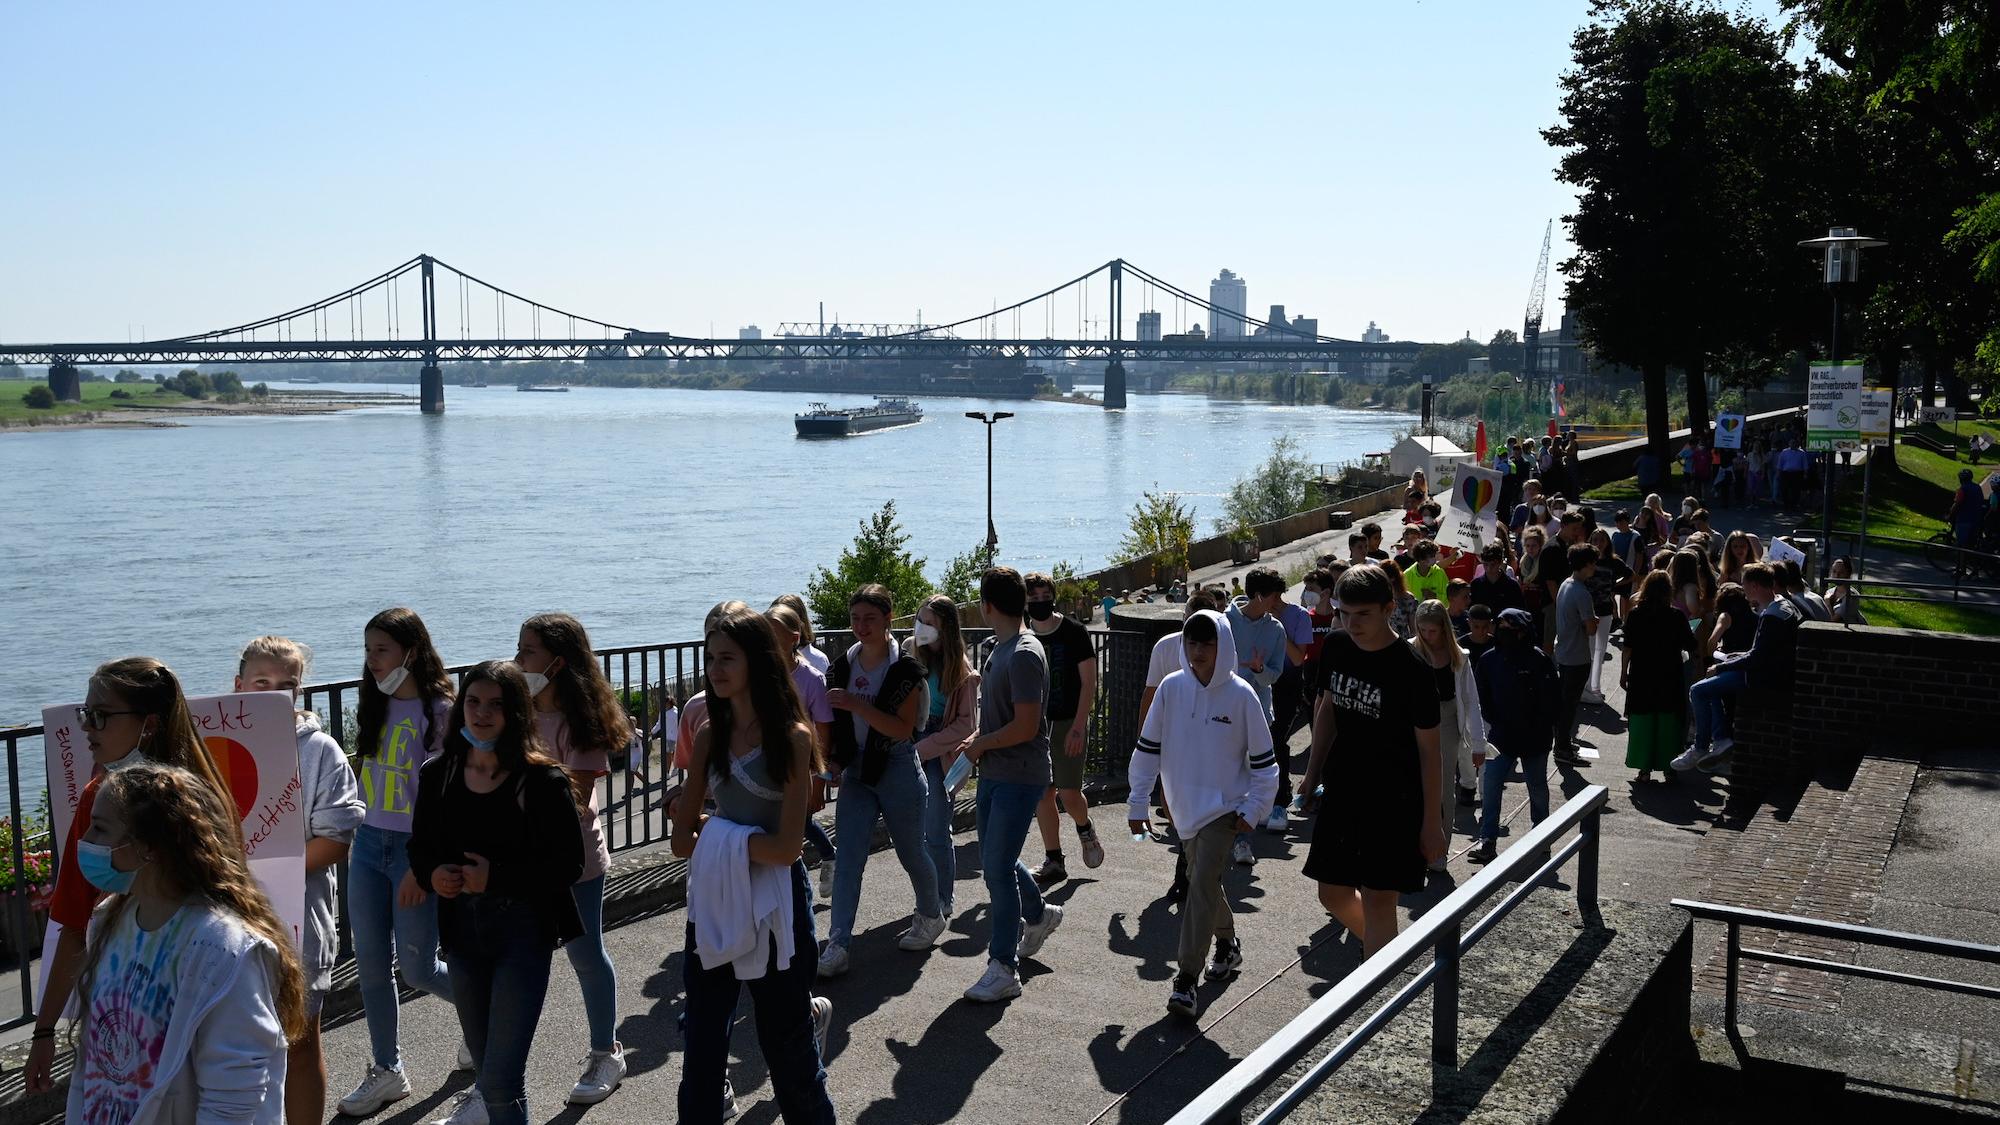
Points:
(1205, 915)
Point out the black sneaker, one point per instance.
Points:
(1177, 893)
(1182, 1001)
(1227, 959)
(1049, 873)
(1468, 798)
(1483, 853)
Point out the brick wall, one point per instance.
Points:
(1859, 689)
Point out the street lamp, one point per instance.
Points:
(992, 536)
(1843, 258)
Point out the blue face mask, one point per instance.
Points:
(477, 742)
(94, 861)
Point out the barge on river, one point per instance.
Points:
(821, 420)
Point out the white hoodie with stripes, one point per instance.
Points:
(1208, 745)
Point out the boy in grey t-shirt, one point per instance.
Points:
(1012, 750)
(1576, 623)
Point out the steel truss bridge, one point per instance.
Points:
(336, 330)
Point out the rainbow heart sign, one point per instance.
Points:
(1475, 494)
(1729, 431)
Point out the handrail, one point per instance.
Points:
(1737, 917)
(1438, 930)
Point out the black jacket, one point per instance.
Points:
(1773, 653)
(543, 868)
(1518, 696)
(868, 760)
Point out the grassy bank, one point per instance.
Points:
(96, 399)
(1942, 617)
(1911, 500)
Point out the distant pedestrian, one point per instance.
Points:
(1375, 740)
(945, 730)
(1519, 699)
(1208, 748)
(1658, 642)
(811, 686)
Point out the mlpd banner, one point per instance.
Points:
(1833, 406)
(253, 738)
(1468, 519)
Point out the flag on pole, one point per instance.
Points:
(1479, 443)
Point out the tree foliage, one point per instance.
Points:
(39, 397)
(1272, 491)
(880, 553)
(960, 581)
(1161, 528)
(1504, 352)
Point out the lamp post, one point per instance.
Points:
(992, 536)
(1842, 248)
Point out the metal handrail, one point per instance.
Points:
(1737, 917)
(1438, 931)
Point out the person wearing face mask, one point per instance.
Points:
(495, 838)
(134, 713)
(580, 722)
(191, 988)
(1072, 696)
(405, 702)
(947, 726)
(334, 810)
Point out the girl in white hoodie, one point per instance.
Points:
(190, 989)
(1207, 742)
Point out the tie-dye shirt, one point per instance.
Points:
(131, 1004)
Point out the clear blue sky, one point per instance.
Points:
(187, 167)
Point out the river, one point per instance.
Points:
(635, 510)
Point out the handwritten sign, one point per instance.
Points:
(1467, 522)
(1781, 551)
(1729, 431)
(253, 738)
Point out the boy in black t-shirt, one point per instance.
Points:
(1375, 742)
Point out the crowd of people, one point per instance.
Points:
(469, 824)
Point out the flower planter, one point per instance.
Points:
(1244, 551)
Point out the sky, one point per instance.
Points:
(180, 168)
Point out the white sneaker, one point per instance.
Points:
(1277, 821)
(1093, 849)
(1000, 982)
(1034, 934)
(922, 934)
(1687, 758)
(464, 1056)
(1592, 695)
(381, 1086)
(467, 1108)
(1722, 746)
(1241, 853)
(822, 1010)
(728, 1100)
(602, 1072)
(832, 960)
(825, 879)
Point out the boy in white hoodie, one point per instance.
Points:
(1206, 740)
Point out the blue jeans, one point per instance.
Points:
(1709, 699)
(501, 982)
(898, 797)
(783, 1002)
(937, 833)
(593, 966)
(388, 936)
(1006, 810)
(817, 837)
(1534, 767)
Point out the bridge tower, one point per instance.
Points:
(1114, 371)
(65, 382)
(430, 380)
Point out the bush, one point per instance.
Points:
(1161, 528)
(120, 392)
(38, 865)
(1275, 490)
(260, 390)
(960, 581)
(879, 554)
(39, 397)
(127, 375)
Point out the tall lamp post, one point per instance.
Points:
(992, 536)
(1842, 248)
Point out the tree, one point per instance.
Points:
(1684, 128)
(1272, 491)
(39, 397)
(1161, 529)
(879, 554)
(127, 375)
(1504, 352)
(191, 383)
(225, 382)
(960, 581)
(260, 390)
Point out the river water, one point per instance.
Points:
(635, 510)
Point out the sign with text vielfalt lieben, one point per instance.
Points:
(1729, 431)
(253, 737)
(1833, 406)
(1467, 523)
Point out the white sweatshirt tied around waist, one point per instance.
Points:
(737, 906)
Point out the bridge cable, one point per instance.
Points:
(994, 312)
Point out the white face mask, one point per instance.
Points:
(536, 682)
(926, 633)
(388, 684)
(1309, 599)
(1541, 509)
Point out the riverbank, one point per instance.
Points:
(144, 406)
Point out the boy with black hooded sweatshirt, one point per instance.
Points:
(1207, 742)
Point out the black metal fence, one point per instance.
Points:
(631, 798)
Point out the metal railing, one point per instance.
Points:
(1441, 930)
(631, 800)
(1735, 918)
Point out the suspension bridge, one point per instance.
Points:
(429, 312)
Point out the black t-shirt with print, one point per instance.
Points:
(1067, 648)
(1380, 700)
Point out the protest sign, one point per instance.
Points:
(1729, 431)
(1467, 523)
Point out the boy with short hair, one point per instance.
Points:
(1206, 744)
(1262, 657)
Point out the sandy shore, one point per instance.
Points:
(279, 404)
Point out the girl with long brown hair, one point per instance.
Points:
(405, 702)
(134, 713)
(495, 837)
(945, 728)
(580, 721)
(190, 989)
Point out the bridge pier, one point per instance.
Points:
(1114, 385)
(430, 389)
(65, 382)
